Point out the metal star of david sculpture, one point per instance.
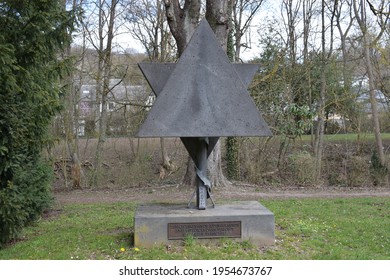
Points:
(199, 99)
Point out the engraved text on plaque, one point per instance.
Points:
(204, 230)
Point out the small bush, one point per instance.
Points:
(13, 216)
(347, 170)
(378, 171)
(357, 171)
(24, 199)
(301, 168)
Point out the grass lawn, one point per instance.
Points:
(349, 137)
(354, 228)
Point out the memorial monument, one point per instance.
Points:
(199, 99)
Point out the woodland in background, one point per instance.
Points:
(324, 70)
(132, 163)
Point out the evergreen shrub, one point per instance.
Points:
(24, 199)
(33, 33)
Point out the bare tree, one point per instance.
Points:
(370, 40)
(70, 118)
(149, 26)
(319, 136)
(243, 13)
(344, 21)
(102, 41)
(308, 12)
(326, 53)
(292, 12)
(343, 33)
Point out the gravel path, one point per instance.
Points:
(175, 193)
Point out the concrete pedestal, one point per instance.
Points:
(166, 224)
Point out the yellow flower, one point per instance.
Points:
(123, 249)
(136, 249)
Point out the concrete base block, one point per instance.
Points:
(166, 224)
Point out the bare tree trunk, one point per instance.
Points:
(167, 165)
(76, 170)
(347, 79)
(189, 178)
(240, 15)
(321, 110)
(362, 20)
(373, 101)
(292, 13)
(308, 11)
(105, 59)
(149, 29)
(217, 178)
(242, 23)
(343, 37)
(318, 148)
(292, 9)
(182, 20)
(217, 14)
(233, 53)
(71, 123)
(319, 137)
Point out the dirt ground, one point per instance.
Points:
(180, 194)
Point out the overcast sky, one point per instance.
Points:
(251, 38)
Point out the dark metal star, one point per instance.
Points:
(200, 99)
(157, 75)
(203, 95)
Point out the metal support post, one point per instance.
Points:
(201, 165)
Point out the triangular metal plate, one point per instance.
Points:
(191, 144)
(157, 74)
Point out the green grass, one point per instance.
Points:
(355, 228)
(85, 231)
(349, 137)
